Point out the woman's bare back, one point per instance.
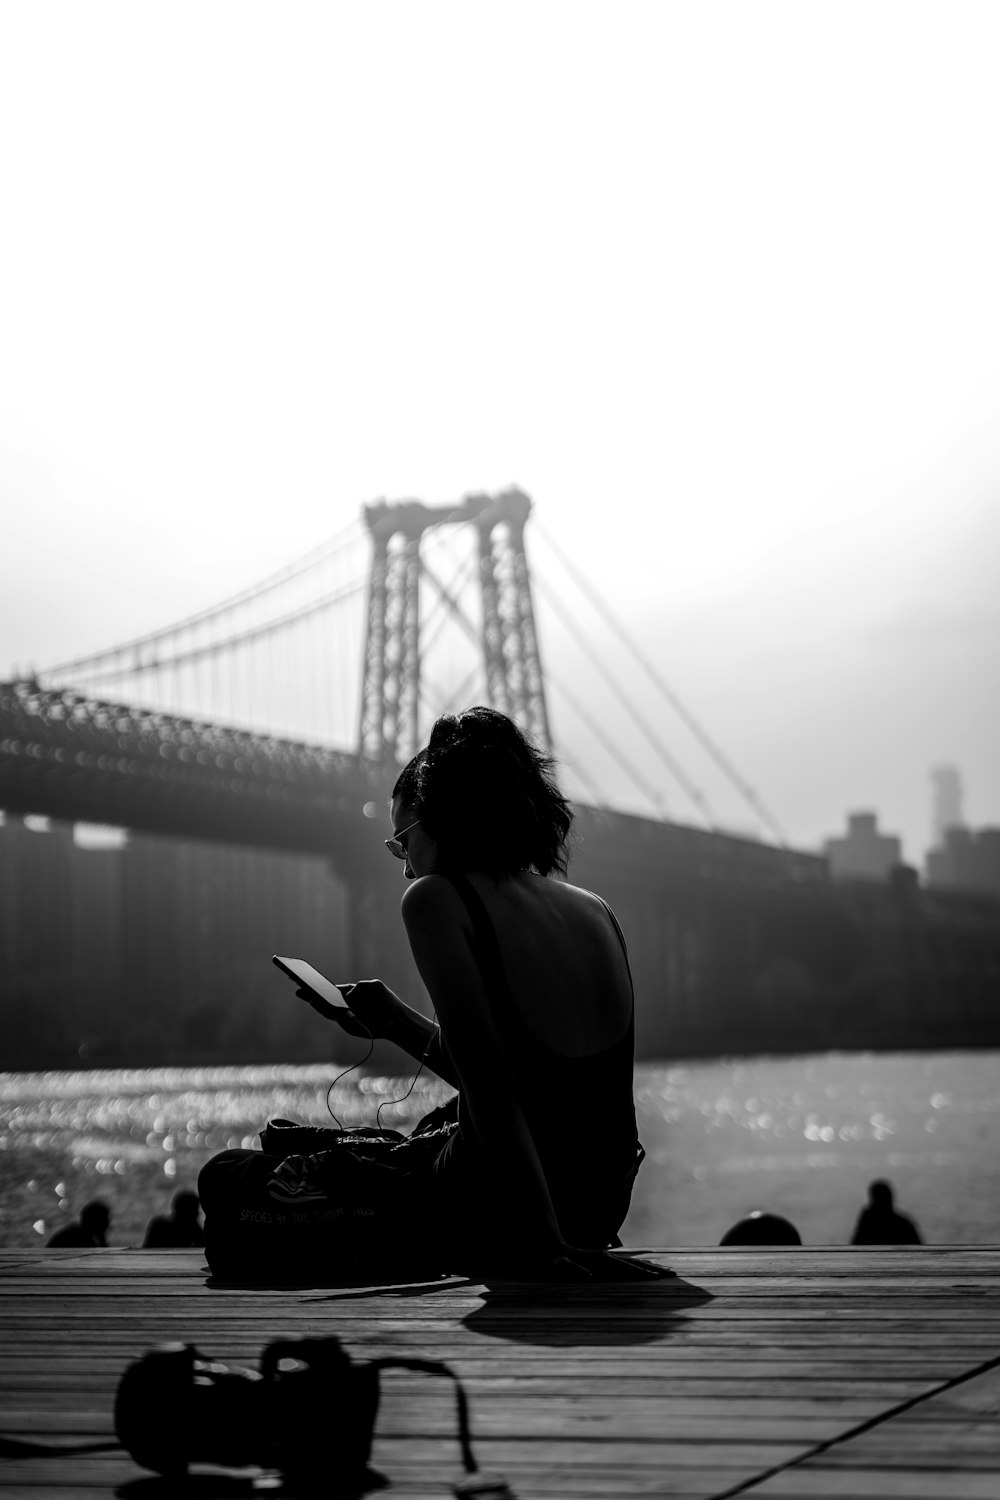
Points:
(563, 961)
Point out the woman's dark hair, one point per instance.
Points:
(488, 797)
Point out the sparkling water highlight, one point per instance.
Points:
(802, 1137)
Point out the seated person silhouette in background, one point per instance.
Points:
(880, 1224)
(180, 1228)
(90, 1230)
(762, 1229)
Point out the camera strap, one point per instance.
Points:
(477, 1485)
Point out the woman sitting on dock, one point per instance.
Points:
(530, 982)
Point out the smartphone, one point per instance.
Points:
(311, 979)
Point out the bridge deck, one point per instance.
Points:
(813, 1372)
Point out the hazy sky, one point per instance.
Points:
(717, 284)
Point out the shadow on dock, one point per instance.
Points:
(605, 1316)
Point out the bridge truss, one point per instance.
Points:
(69, 756)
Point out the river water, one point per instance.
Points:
(798, 1136)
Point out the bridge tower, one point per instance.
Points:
(507, 637)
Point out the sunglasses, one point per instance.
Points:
(395, 845)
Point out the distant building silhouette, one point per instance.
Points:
(963, 858)
(968, 860)
(947, 810)
(863, 853)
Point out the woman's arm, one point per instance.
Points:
(440, 939)
(422, 1040)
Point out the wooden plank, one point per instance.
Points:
(906, 1285)
(26, 1376)
(540, 1422)
(597, 1405)
(601, 1324)
(747, 1260)
(685, 1366)
(816, 1483)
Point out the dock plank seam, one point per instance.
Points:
(748, 1485)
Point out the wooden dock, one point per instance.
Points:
(792, 1372)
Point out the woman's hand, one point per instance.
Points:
(374, 1008)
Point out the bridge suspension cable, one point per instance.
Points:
(649, 791)
(591, 593)
(255, 659)
(688, 786)
(310, 560)
(230, 642)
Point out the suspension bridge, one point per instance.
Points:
(279, 718)
(268, 679)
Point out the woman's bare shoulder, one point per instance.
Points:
(583, 895)
(578, 898)
(431, 904)
(430, 895)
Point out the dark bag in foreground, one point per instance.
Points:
(309, 1413)
(370, 1218)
